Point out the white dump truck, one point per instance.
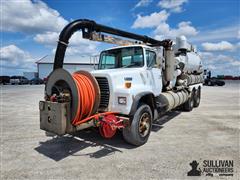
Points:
(135, 83)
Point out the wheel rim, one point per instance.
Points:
(144, 124)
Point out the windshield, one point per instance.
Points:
(121, 58)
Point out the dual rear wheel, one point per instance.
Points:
(193, 100)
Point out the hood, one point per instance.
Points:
(118, 77)
(117, 72)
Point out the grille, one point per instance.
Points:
(104, 88)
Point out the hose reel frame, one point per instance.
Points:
(63, 78)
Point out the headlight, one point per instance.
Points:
(122, 100)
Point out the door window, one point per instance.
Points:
(151, 58)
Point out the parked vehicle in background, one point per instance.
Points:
(214, 82)
(18, 80)
(36, 81)
(211, 81)
(4, 80)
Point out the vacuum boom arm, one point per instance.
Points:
(89, 27)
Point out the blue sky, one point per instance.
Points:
(29, 29)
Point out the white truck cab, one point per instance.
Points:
(129, 71)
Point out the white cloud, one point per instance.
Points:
(80, 46)
(162, 28)
(221, 46)
(173, 5)
(47, 38)
(77, 45)
(220, 63)
(30, 17)
(210, 57)
(152, 20)
(35, 17)
(143, 3)
(217, 34)
(51, 38)
(14, 57)
(164, 31)
(90, 50)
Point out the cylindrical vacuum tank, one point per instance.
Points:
(174, 99)
(186, 79)
(194, 79)
(190, 62)
(193, 63)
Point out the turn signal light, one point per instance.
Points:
(128, 84)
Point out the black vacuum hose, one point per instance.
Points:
(88, 26)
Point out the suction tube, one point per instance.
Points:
(89, 26)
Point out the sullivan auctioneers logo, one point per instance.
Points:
(211, 168)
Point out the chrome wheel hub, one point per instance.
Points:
(144, 124)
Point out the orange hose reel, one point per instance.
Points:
(88, 98)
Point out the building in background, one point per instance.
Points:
(71, 64)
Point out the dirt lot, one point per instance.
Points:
(210, 132)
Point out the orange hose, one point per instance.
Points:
(86, 98)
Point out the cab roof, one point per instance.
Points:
(134, 45)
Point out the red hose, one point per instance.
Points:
(86, 98)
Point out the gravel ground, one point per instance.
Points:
(210, 132)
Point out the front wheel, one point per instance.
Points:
(138, 132)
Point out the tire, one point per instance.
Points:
(220, 83)
(138, 132)
(209, 83)
(197, 98)
(188, 105)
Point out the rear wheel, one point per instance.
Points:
(188, 105)
(197, 98)
(138, 132)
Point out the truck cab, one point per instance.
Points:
(126, 72)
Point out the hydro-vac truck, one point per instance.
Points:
(135, 83)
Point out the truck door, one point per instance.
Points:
(154, 72)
